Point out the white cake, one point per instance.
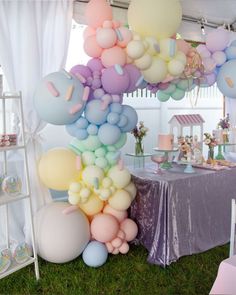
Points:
(165, 142)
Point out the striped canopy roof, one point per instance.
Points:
(194, 119)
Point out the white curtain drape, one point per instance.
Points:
(34, 37)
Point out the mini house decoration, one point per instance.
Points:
(186, 121)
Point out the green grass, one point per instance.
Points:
(122, 274)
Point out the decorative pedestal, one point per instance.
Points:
(166, 165)
(189, 168)
(138, 160)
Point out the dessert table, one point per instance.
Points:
(181, 214)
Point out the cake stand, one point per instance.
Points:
(166, 164)
(220, 156)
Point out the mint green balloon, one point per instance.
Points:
(162, 96)
(178, 94)
(88, 158)
(77, 145)
(170, 89)
(112, 158)
(101, 162)
(111, 148)
(100, 152)
(121, 142)
(184, 84)
(91, 143)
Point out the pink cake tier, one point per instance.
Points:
(165, 142)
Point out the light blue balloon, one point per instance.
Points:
(121, 142)
(230, 52)
(178, 94)
(233, 43)
(92, 129)
(163, 96)
(113, 118)
(81, 123)
(94, 112)
(123, 121)
(116, 107)
(75, 132)
(109, 134)
(95, 254)
(50, 99)
(226, 79)
(132, 117)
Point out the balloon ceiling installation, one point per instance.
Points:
(88, 101)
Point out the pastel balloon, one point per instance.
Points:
(134, 76)
(217, 40)
(211, 78)
(88, 158)
(92, 129)
(184, 84)
(91, 173)
(153, 45)
(116, 107)
(58, 98)
(96, 12)
(120, 200)
(88, 31)
(203, 51)
(156, 72)
(181, 57)
(230, 52)
(135, 49)
(113, 56)
(178, 94)
(144, 62)
(162, 96)
(118, 214)
(100, 152)
(106, 38)
(124, 248)
(168, 48)
(120, 178)
(157, 18)
(104, 227)
(226, 79)
(101, 162)
(219, 57)
(109, 134)
(113, 118)
(95, 254)
(95, 64)
(175, 67)
(170, 89)
(126, 36)
(94, 112)
(91, 143)
(93, 206)
(209, 64)
(183, 46)
(57, 168)
(114, 82)
(132, 117)
(121, 142)
(91, 47)
(78, 133)
(130, 229)
(131, 189)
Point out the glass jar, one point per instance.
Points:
(139, 148)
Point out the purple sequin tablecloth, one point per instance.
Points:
(181, 214)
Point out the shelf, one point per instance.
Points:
(17, 96)
(4, 199)
(15, 266)
(11, 147)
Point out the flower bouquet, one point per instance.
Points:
(224, 124)
(211, 142)
(185, 148)
(139, 132)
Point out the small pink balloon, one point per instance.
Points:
(96, 12)
(218, 39)
(106, 38)
(119, 215)
(104, 227)
(107, 24)
(121, 234)
(116, 243)
(124, 248)
(183, 46)
(113, 56)
(88, 31)
(110, 248)
(130, 229)
(126, 36)
(115, 251)
(168, 78)
(91, 47)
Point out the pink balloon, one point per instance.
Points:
(104, 227)
(217, 40)
(106, 38)
(110, 248)
(117, 242)
(115, 24)
(91, 47)
(119, 215)
(112, 56)
(88, 31)
(113, 82)
(130, 229)
(183, 46)
(96, 12)
(124, 248)
(126, 36)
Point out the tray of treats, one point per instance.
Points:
(226, 163)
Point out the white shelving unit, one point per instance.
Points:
(6, 200)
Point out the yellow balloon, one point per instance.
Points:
(57, 168)
(144, 62)
(168, 49)
(156, 72)
(158, 18)
(93, 206)
(120, 201)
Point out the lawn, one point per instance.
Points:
(122, 274)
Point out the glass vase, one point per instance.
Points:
(225, 135)
(139, 148)
(211, 154)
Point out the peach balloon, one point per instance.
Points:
(119, 215)
(121, 234)
(88, 31)
(124, 248)
(126, 36)
(106, 38)
(117, 242)
(91, 47)
(96, 12)
(115, 251)
(104, 227)
(113, 56)
(130, 229)
(110, 248)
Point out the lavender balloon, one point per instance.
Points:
(134, 77)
